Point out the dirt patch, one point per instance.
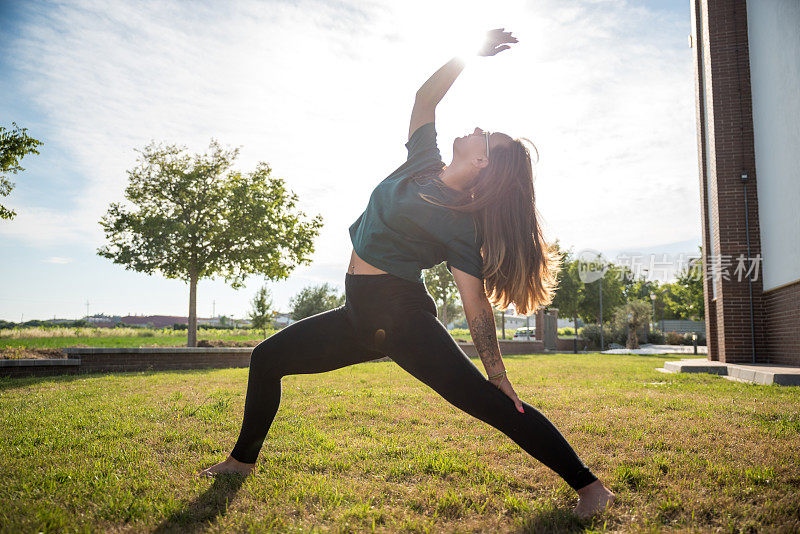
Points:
(17, 353)
(225, 343)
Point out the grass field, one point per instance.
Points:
(368, 447)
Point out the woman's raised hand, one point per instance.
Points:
(494, 42)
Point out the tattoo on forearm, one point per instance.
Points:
(484, 335)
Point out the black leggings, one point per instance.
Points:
(385, 315)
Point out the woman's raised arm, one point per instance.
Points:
(433, 90)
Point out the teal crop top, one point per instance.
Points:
(401, 233)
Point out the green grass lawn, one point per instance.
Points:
(368, 447)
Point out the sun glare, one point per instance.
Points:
(464, 34)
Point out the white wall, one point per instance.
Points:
(773, 29)
(708, 134)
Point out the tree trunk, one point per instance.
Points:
(633, 340)
(444, 314)
(192, 341)
(575, 344)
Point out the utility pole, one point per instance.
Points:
(87, 309)
(600, 285)
(213, 308)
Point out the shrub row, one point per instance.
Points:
(591, 333)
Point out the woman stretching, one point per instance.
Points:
(478, 215)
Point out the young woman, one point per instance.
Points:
(478, 215)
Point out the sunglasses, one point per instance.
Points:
(486, 136)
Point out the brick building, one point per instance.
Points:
(747, 93)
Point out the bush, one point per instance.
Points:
(687, 339)
(656, 338)
(459, 332)
(674, 338)
(677, 338)
(590, 335)
(616, 335)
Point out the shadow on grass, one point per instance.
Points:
(202, 512)
(551, 520)
(15, 382)
(670, 356)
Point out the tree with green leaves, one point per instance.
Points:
(14, 145)
(442, 287)
(612, 284)
(196, 217)
(569, 291)
(262, 313)
(639, 287)
(315, 299)
(685, 299)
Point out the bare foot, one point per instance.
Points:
(228, 466)
(592, 499)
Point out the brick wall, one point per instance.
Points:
(782, 317)
(43, 367)
(95, 360)
(507, 347)
(563, 344)
(722, 90)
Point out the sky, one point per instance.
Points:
(323, 91)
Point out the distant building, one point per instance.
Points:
(283, 319)
(155, 321)
(101, 320)
(518, 321)
(162, 321)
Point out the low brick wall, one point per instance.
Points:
(120, 359)
(95, 359)
(507, 347)
(569, 344)
(39, 367)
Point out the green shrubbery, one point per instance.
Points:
(655, 337)
(591, 336)
(677, 338)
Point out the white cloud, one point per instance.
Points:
(323, 91)
(58, 259)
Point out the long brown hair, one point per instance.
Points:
(519, 267)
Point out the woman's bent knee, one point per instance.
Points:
(266, 359)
